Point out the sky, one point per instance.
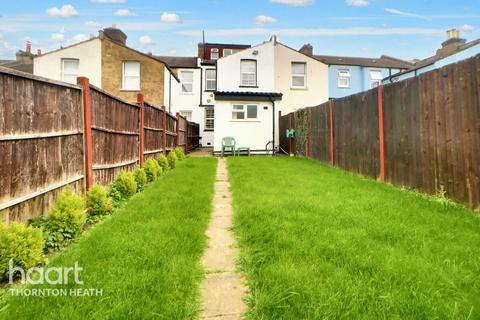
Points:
(405, 29)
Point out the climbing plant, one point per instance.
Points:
(301, 130)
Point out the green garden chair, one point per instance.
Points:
(228, 144)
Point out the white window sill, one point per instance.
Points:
(344, 87)
(299, 88)
(248, 120)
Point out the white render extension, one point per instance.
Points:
(253, 85)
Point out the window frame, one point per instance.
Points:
(63, 60)
(244, 111)
(187, 114)
(216, 51)
(304, 75)
(374, 83)
(242, 84)
(206, 79)
(207, 126)
(340, 77)
(182, 82)
(124, 88)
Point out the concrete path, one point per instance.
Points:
(222, 290)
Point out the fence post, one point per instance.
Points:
(87, 130)
(187, 126)
(332, 136)
(164, 143)
(141, 104)
(307, 147)
(381, 132)
(178, 129)
(290, 139)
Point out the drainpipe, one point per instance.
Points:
(273, 126)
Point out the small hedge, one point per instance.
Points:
(163, 163)
(21, 244)
(123, 187)
(180, 153)
(172, 160)
(152, 169)
(98, 202)
(140, 178)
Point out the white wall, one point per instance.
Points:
(88, 53)
(228, 69)
(316, 90)
(247, 133)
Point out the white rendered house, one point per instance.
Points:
(253, 85)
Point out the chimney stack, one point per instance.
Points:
(115, 34)
(39, 52)
(28, 47)
(452, 43)
(307, 49)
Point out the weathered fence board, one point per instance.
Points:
(431, 129)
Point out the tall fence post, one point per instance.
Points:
(187, 126)
(381, 132)
(332, 135)
(87, 130)
(141, 104)
(290, 128)
(178, 129)
(164, 143)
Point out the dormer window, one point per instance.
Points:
(214, 54)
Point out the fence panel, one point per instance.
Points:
(115, 135)
(171, 131)
(320, 133)
(182, 124)
(193, 135)
(153, 131)
(40, 143)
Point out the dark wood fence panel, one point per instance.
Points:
(355, 122)
(115, 136)
(182, 124)
(171, 132)
(320, 133)
(153, 131)
(431, 132)
(40, 143)
(193, 136)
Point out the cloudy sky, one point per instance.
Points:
(403, 28)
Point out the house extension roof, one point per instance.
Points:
(17, 65)
(179, 62)
(241, 95)
(382, 62)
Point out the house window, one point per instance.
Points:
(70, 70)
(186, 78)
(187, 115)
(214, 53)
(344, 79)
(375, 78)
(209, 118)
(131, 75)
(248, 69)
(298, 74)
(211, 79)
(229, 52)
(242, 112)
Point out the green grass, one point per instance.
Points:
(319, 243)
(145, 258)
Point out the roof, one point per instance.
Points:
(17, 65)
(226, 45)
(179, 62)
(431, 60)
(241, 95)
(382, 62)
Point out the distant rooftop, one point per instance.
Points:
(179, 62)
(382, 62)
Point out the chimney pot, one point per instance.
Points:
(28, 48)
(39, 52)
(307, 49)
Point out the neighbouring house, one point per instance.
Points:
(110, 65)
(193, 96)
(454, 49)
(350, 75)
(23, 60)
(254, 84)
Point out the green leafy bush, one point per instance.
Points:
(140, 178)
(163, 163)
(123, 187)
(152, 169)
(172, 160)
(98, 202)
(180, 153)
(21, 244)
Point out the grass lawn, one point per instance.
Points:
(318, 243)
(145, 258)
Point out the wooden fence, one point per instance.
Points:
(422, 133)
(54, 135)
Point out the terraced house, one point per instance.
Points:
(110, 65)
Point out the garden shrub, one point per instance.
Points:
(172, 160)
(21, 244)
(140, 178)
(163, 163)
(65, 220)
(180, 153)
(123, 187)
(98, 202)
(152, 169)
